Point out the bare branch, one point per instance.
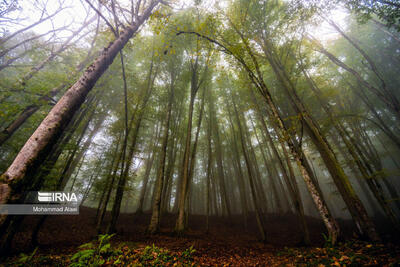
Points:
(104, 18)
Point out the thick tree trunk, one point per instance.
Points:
(43, 139)
(11, 223)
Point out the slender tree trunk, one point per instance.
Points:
(238, 168)
(219, 175)
(108, 178)
(125, 171)
(185, 172)
(111, 176)
(366, 171)
(256, 78)
(257, 175)
(258, 211)
(70, 168)
(385, 95)
(350, 197)
(149, 164)
(158, 188)
(209, 169)
(180, 225)
(290, 182)
(76, 174)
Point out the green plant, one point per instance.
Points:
(188, 253)
(328, 241)
(25, 258)
(93, 253)
(155, 256)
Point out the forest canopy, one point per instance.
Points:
(238, 109)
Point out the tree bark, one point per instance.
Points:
(158, 188)
(259, 214)
(43, 139)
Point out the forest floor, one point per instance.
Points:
(226, 244)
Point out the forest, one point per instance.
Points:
(200, 132)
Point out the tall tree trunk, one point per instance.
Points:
(209, 169)
(70, 168)
(159, 184)
(12, 223)
(290, 182)
(125, 171)
(258, 211)
(363, 166)
(257, 175)
(385, 95)
(350, 197)
(238, 169)
(180, 225)
(257, 80)
(219, 175)
(185, 172)
(149, 164)
(44, 138)
(329, 221)
(111, 176)
(108, 178)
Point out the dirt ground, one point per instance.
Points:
(226, 244)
